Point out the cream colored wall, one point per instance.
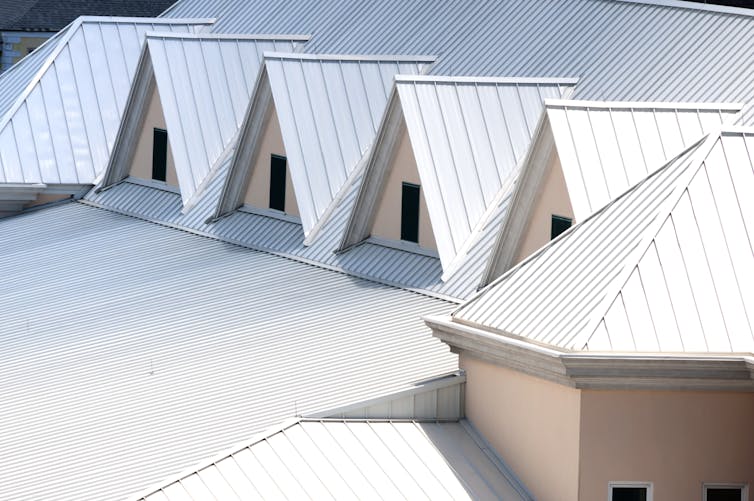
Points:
(387, 221)
(258, 190)
(142, 162)
(553, 200)
(677, 440)
(532, 423)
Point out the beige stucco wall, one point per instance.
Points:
(258, 190)
(677, 440)
(553, 200)
(142, 162)
(387, 221)
(532, 423)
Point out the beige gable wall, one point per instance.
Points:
(532, 423)
(553, 200)
(258, 189)
(675, 439)
(142, 162)
(387, 221)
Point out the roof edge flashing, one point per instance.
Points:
(484, 79)
(350, 57)
(226, 36)
(679, 4)
(644, 105)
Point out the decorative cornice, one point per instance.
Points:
(603, 371)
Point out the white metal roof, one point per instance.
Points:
(677, 51)
(351, 459)
(603, 148)
(607, 147)
(665, 268)
(205, 84)
(468, 137)
(329, 109)
(132, 350)
(61, 127)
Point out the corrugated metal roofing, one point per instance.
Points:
(676, 51)
(205, 83)
(61, 128)
(674, 275)
(468, 137)
(350, 459)
(329, 109)
(605, 148)
(153, 349)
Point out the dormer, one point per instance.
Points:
(317, 115)
(186, 107)
(448, 147)
(585, 155)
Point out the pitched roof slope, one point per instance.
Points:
(205, 83)
(665, 268)
(61, 128)
(352, 459)
(169, 347)
(329, 109)
(607, 147)
(468, 136)
(592, 39)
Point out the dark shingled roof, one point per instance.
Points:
(53, 15)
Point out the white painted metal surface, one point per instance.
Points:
(468, 137)
(676, 51)
(61, 127)
(605, 148)
(352, 459)
(132, 350)
(666, 268)
(329, 110)
(205, 83)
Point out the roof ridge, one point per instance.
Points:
(696, 153)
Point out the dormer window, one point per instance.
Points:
(277, 182)
(559, 225)
(410, 212)
(159, 154)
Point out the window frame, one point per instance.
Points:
(404, 185)
(155, 131)
(647, 485)
(726, 485)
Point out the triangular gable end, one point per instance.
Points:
(328, 108)
(588, 153)
(202, 114)
(468, 136)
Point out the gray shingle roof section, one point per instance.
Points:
(53, 15)
(665, 268)
(591, 39)
(352, 459)
(152, 349)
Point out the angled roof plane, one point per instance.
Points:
(204, 82)
(468, 137)
(329, 109)
(599, 150)
(61, 128)
(667, 267)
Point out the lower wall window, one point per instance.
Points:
(410, 212)
(159, 154)
(629, 491)
(725, 492)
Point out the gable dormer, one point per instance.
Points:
(186, 106)
(586, 154)
(321, 112)
(459, 140)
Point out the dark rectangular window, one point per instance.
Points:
(160, 155)
(410, 212)
(559, 225)
(629, 494)
(277, 183)
(723, 493)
